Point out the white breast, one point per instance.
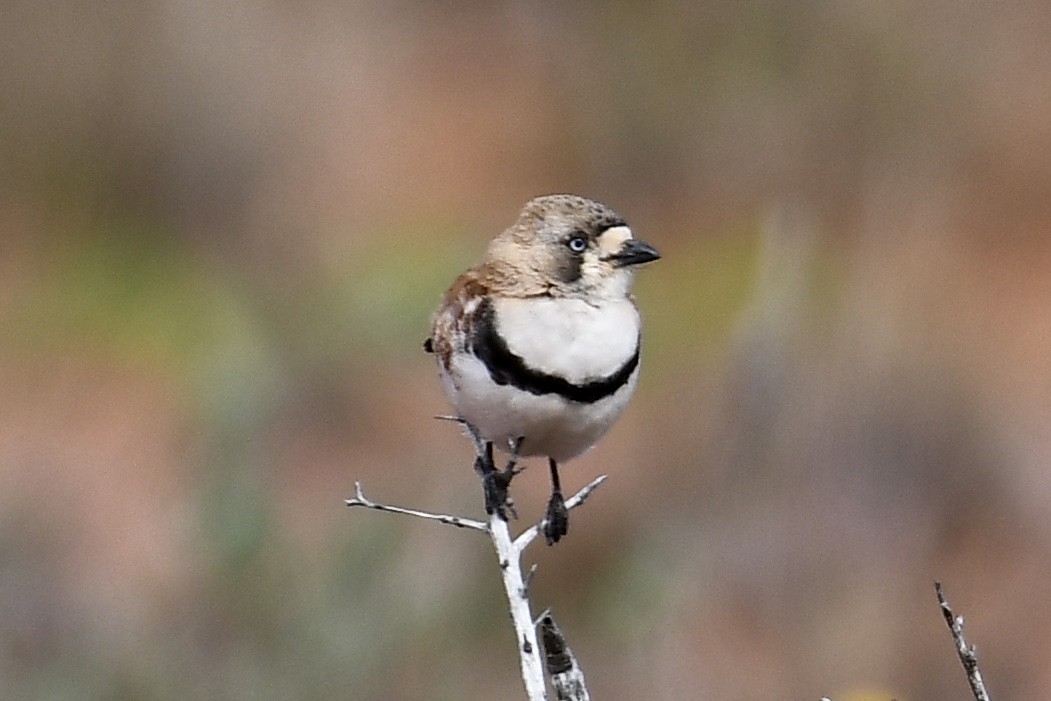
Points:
(569, 337)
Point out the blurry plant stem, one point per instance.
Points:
(516, 586)
(965, 652)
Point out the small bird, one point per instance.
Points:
(538, 345)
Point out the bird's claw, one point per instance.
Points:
(497, 501)
(495, 483)
(556, 522)
(495, 486)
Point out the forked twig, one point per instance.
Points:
(516, 585)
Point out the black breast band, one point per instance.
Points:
(507, 368)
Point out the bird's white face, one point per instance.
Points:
(611, 241)
(600, 275)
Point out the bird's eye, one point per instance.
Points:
(577, 244)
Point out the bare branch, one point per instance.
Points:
(966, 652)
(510, 560)
(566, 675)
(569, 684)
(458, 521)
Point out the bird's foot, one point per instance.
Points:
(495, 484)
(556, 521)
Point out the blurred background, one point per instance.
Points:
(223, 228)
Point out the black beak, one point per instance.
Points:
(633, 252)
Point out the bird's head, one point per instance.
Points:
(568, 246)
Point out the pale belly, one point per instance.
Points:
(551, 425)
(568, 338)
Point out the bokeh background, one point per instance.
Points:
(224, 225)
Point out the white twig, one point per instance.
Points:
(516, 586)
(966, 652)
(510, 559)
(458, 521)
(566, 675)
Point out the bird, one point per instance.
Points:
(537, 346)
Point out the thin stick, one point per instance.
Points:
(516, 586)
(966, 652)
(458, 521)
(510, 560)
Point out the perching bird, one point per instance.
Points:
(538, 345)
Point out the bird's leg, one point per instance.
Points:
(512, 468)
(495, 483)
(492, 488)
(503, 477)
(556, 522)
